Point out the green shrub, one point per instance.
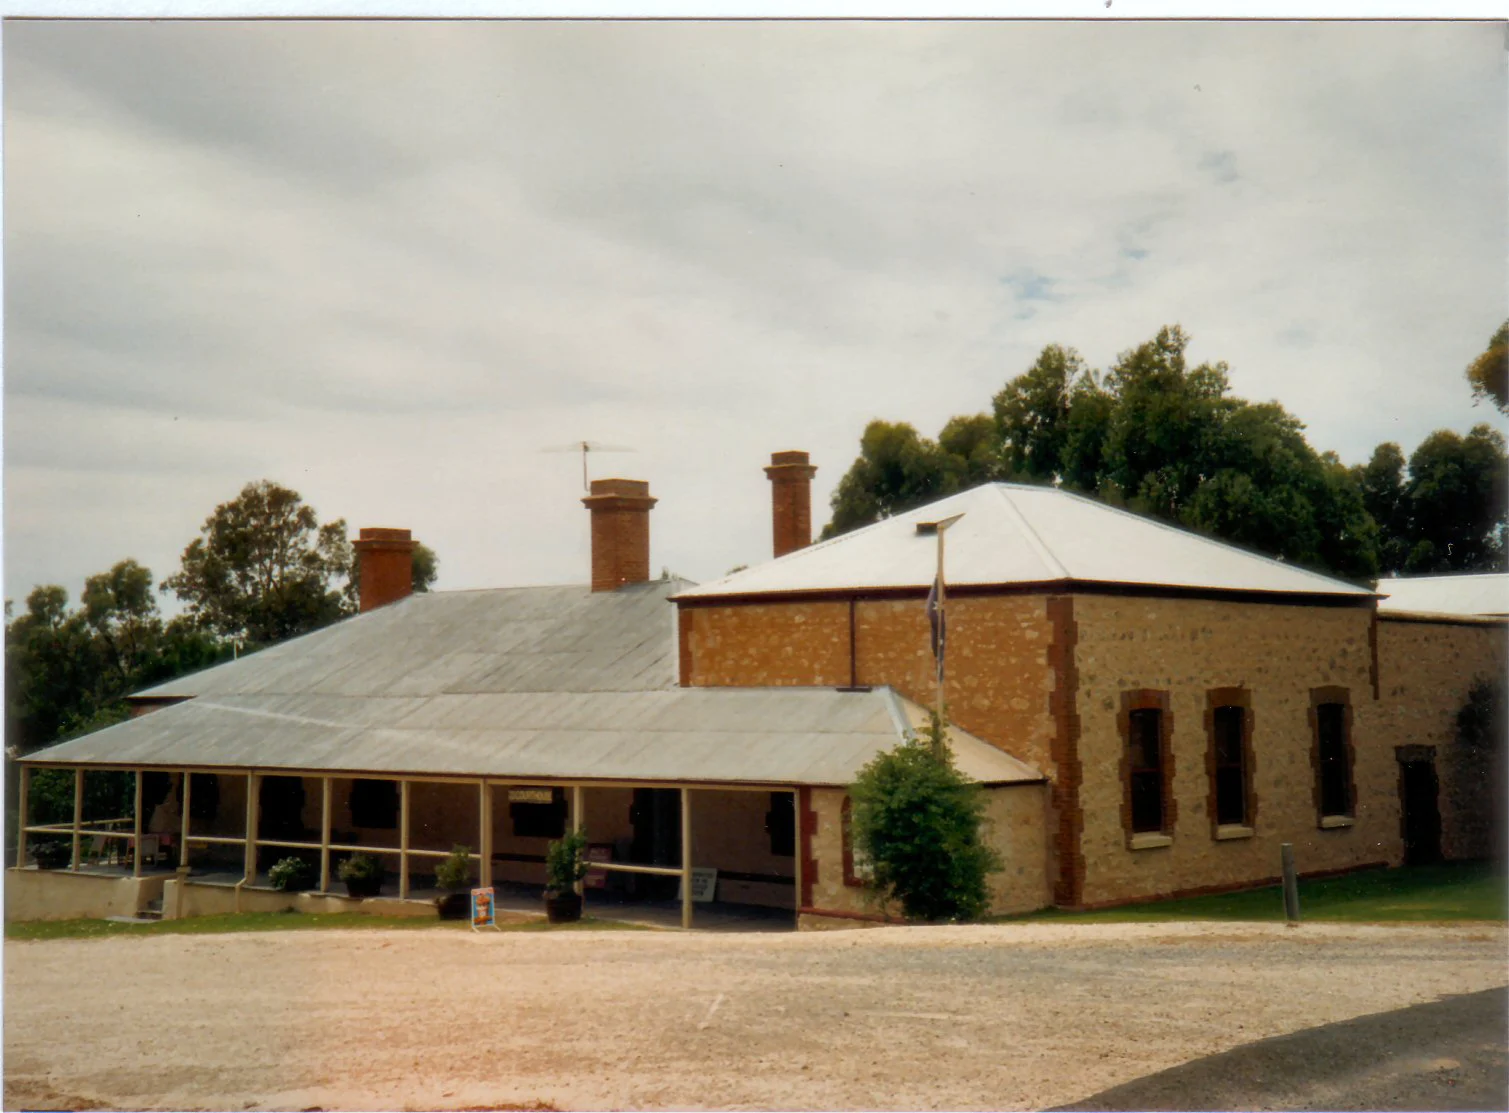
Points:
(1480, 720)
(360, 867)
(291, 874)
(917, 820)
(455, 873)
(564, 865)
(52, 853)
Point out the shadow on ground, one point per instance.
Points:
(1451, 1054)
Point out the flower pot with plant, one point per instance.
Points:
(564, 867)
(362, 874)
(291, 875)
(53, 854)
(454, 875)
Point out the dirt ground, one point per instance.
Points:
(1012, 1016)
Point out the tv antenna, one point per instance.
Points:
(585, 447)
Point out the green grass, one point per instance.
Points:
(282, 921)
(1458, 891)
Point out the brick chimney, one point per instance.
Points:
(620, 532)
(791, 500)
(385, 566)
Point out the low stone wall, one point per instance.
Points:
(33, 894)
(200, 899)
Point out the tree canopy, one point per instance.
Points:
(263, 568)
(1489, 373)
(67, 670)
(1160, 437)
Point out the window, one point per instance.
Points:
(858, 869)
(1146, 770)
(374, 804)
(1331, 754)
(1228, 762)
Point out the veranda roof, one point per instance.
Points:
(776, 736)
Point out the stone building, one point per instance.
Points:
(1151, 712)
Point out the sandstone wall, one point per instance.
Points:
(1426, 671)
(1186, 647)
(997, 681)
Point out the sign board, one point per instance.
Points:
(704, 884)
(531, 796)
(484, 913)
(598, 852)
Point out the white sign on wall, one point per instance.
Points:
(704, 884)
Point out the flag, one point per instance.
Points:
(936, 620)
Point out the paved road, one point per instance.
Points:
(1450, 1054)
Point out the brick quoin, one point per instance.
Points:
(386, 566)
(790, 476)
(620, 532)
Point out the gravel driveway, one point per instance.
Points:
(1010, 1016)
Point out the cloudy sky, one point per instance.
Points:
(388, 263)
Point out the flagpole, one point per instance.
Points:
(942, 625)
(942, 528)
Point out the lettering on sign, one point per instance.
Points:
(598, 852)
(704, 885)
(531, 796)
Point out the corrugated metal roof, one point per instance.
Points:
(1466, 595)
(1012, 533)
(506, 640)
(779, 736)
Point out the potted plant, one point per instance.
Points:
(362, 874)
(291, 875)
(53, 854)
(564, 867)
(454, 875)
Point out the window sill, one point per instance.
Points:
(1327, 822)
(1233, 831)
(1149, 842)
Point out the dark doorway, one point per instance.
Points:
(1421, 818)
(656, 816)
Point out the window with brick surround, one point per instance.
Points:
(1145, 770)
(1333, 765)
(1147, 766)
(1231, 779)
(1228, 761)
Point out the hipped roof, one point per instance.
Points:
(1011, 534)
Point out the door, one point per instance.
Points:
(1418, 790)
(657, 839)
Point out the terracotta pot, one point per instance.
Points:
(454, 906)
(562, 908)
(364, 886)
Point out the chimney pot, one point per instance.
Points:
(790, 476)
(620, 532)
(385, 566)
